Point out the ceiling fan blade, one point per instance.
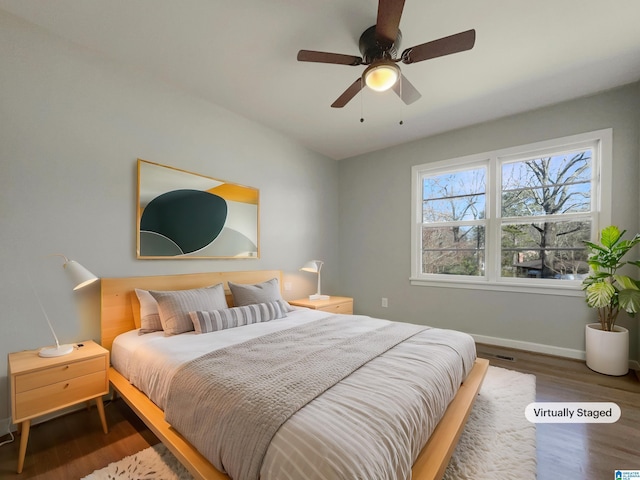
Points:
(388, 22)
(439, 48)
(406, 91)
(348, 94)
(325, 57)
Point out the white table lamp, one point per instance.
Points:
(79, 277)
(314, 266)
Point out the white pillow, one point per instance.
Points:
(149, 314)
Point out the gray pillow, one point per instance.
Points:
(205, 322)
(249, 294)
(174, 306)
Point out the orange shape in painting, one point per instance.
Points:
(236, 193)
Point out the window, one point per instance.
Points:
(512, 219)
(454, 222)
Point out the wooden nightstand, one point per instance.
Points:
(44, 385)
(333, 305)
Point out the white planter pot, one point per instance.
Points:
(607, 352)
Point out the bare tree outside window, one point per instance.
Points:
(546, 205)
(453, 212)
(545, 214)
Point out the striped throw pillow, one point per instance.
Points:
(214, 320)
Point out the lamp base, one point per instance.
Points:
(316, 296)
(55, 351)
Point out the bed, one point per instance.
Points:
(119, 312)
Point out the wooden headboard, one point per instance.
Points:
(118, 301)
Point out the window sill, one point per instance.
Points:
(567, 289)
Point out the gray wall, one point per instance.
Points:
(73, 125)
(375, 202)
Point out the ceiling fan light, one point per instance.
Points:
(381, 76)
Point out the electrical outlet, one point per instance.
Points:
(288, 286)
(385, 302)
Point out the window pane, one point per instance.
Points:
(547, 186)
(545, 250)
(453, 209)
(456, 250)
(454, 196)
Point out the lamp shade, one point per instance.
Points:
(79, 276)
(381, 76)
(313, 266)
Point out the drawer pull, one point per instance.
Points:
(66, 385)
(66, 367)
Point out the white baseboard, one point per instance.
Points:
(540, 348)
(530, 346)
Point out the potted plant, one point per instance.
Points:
(607, 344)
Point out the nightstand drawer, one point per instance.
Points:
(58, 373)
(41, 400)
(345, 308)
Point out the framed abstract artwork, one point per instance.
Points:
(182, 214)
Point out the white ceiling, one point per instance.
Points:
(241, 54)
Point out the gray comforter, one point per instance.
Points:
(246, 392)
(372, 399)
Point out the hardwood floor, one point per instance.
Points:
(579, 451)
(73, 446)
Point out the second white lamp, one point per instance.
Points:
(314, 266)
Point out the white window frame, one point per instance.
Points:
(600, 141)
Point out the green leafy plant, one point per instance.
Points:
(607, 291)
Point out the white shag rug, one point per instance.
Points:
(497, 442)
(153, 463)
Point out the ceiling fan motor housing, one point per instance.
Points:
(372, 50)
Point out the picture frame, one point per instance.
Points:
(181, 215)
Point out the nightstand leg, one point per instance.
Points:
(24, 438)
(103, 419)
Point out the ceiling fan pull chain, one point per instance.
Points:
(401, 103)
(361, 100)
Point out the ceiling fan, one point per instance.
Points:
(379, 45)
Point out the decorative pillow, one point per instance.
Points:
(205, 322)
(247, 294)
(174, 306)
(149, 314)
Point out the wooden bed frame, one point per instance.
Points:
(120, 313)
